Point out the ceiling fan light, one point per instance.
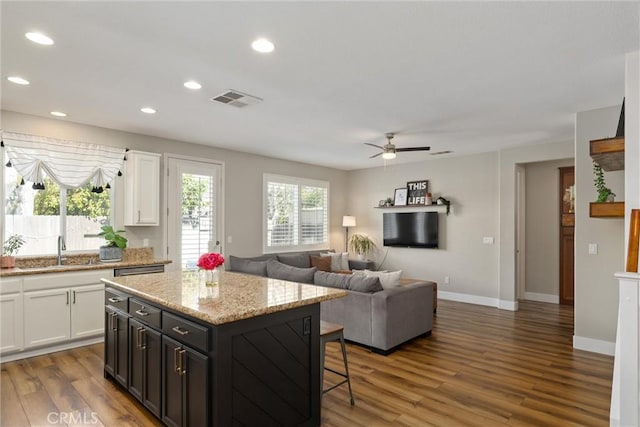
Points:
(389, 155)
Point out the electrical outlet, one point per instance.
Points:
(446, 280)
(593, 249)
(229, 239)
(488, 240)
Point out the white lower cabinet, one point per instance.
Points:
(63, 307)
(46, 317)
(57, 315)
(87, 311)
(11, 332)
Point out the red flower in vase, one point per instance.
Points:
(210, 260)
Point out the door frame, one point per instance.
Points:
(520, 232)
(165, 203)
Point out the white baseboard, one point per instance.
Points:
(50, 349)
(504, 304)
(534, 296)
(594, 345)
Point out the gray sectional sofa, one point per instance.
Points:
(378, 318)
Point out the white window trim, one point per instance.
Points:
(266, 178)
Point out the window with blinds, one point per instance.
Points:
(295, 213)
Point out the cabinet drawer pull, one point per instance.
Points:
(74, 296)
(180, 331)
(176, 359)
(138, 216)
(182, 367)
(139, 337)
(114, 299)
(67, 297)
(141, 312)
(114, 317)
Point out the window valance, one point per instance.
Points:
(71, 164)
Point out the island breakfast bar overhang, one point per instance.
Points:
(248, 355)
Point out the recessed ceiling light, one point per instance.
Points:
(58, 114)
(148, 110)
(39, 38)
(192, 85)
(262, 46)
(18, 80)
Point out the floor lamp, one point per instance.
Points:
(347, 221)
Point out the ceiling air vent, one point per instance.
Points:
(236, 98)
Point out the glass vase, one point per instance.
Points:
(209, 281)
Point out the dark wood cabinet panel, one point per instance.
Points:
(185, 374)
(145, 365)
(116, 352)
(567, 273)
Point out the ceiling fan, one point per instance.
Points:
(389, 150)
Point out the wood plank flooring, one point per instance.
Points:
(481, 367)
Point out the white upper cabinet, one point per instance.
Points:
(142, 189)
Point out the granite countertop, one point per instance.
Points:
(238, 296)
(70, 268)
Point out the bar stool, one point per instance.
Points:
(333, 332)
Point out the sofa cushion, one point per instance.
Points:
(360, 283)
(339, 261)
(388, 280)
(278, 270)
(331, 280)
(322, 263)
(246, 265)
(295, 260)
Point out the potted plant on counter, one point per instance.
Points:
(361, 244)
(112, 251)
(10, 248)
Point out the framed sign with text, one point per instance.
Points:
(417, 192)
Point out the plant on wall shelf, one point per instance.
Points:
(604, 193)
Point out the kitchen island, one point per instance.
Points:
(248, 355)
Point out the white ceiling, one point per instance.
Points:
(465, 76)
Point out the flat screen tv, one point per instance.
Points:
(411, 229)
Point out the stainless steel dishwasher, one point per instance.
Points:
(143, 269)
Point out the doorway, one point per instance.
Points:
(194, 209)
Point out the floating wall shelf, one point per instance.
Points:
(430, 207)
(606, 210)
(608, 153)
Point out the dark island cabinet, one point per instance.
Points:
(116, 350)
(145, 365)
(258, 371)
(185, 375)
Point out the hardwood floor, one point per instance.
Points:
(481, 367)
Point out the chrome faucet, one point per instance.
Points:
(61, 247)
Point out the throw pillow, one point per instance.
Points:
(322, 263)
(388, 280)
(295, 260)
(331, 280)
(243, 265)
(338, 261)
(278, 270)
(368, 284)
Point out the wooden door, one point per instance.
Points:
(567, 221)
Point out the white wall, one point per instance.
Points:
(631, 140)
(471, 183)
(543, 229)
(596, 289)
(243, 179)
